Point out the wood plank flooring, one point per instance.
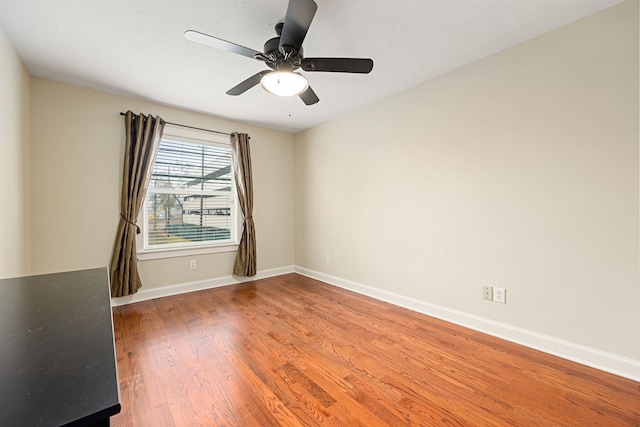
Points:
(292, 351)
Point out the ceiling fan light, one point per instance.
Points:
(284, 83)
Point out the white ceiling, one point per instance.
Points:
(137, 48)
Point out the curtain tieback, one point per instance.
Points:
(130, 223)
(245, 220)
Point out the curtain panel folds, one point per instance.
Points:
(245, 264)
(143, 134)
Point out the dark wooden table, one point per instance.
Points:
(57, 358)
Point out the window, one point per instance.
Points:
(191, 200)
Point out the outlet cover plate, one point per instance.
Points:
(487, 293)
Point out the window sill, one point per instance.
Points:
(180, 252)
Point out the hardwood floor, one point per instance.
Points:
(292, 351)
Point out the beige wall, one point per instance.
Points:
(518, 171)
(77, 152)
(14, 162)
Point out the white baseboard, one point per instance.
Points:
(618, 365)
(165, 291)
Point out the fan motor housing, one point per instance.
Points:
(271, 46)
(272, 50)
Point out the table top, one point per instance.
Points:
(57, 353)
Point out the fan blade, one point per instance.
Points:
(309, 97)
(338, 65)
(241, 88)
(296, 23)
(208, 40)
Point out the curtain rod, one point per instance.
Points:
(190, 127)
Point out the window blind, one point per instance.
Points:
(191, 198)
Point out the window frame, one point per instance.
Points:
(194, 136)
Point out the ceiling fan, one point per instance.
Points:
(284, 55)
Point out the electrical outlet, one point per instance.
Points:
(328, 259)
(500, 295)
(487, 293)
(193, 264)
